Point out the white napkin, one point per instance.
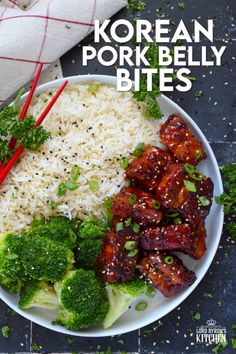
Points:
(34, 31)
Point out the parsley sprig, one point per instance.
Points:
(228, 198)
(149, 97)
(29, 137)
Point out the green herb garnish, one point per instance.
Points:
(219, 347)
(36, 347)
(136, 228)
(124, 162)
(130, 245)
(141, 306)
(204, 201)
(66, 186)
(192, 172)
(107, 211)
(190, 186)
(169, 260)
(119, 226)
(5, 331)
(132, 199)
(228, 198)
(94, 185)
(138, 5)
(128, 222)
(196, 316)
(133, 253)
(138, 150)
(181, 5)
(149, 98)
(155, 204)
(198, 94)
(75, 172)
(93, 87)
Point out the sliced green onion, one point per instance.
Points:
(136, 228)
(193, 172)
(107, 203)
(150, 292)
(133, 252)
(124, 162)
(127, 183)
(172, 213)
(168, 260)
(94, 185)
(119, 226)
(93, 87)
(141, 306)
(75, 172)
(132, 199)
(198, 94)
(156, 204)
(61, 189)
(190, 186)
(71, 185)
(198, 154)
(53, 205)
(204, 201)
(177, 221)
(106, 209)
(138, 150)
(128, 222)
(130, 245)
(196, 316)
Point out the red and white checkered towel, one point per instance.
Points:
(35, 31)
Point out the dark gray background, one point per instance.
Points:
(215, 115)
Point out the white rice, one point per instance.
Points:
(91, 131)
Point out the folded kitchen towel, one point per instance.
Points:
(40, 31)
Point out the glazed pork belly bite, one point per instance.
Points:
(147, 169)
(190, 197)
(134, 203)
(118, 258)
(166, 272)
(179, 139)
(185, 238)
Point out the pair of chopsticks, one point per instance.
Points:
(6, 168)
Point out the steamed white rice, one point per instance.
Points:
(91, 131)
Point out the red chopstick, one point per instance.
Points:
(25, 108)
(17, 154)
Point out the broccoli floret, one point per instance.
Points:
(92, 229)
(13, 285)
(82, 300)
(45, 259)
(59, 229)
(120, 296)
(38, 294)
(10, 256)
(88, 253)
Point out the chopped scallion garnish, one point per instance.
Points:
(168, 260)
(94, 185)
(141, 306)
(190, 186)
(124, 162)
(136, 228)
(119, 226)
(204, 201)
(132, 199)
(130, 245)
(156, 204)
(138, 150)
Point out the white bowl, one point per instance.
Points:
(158, 306)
